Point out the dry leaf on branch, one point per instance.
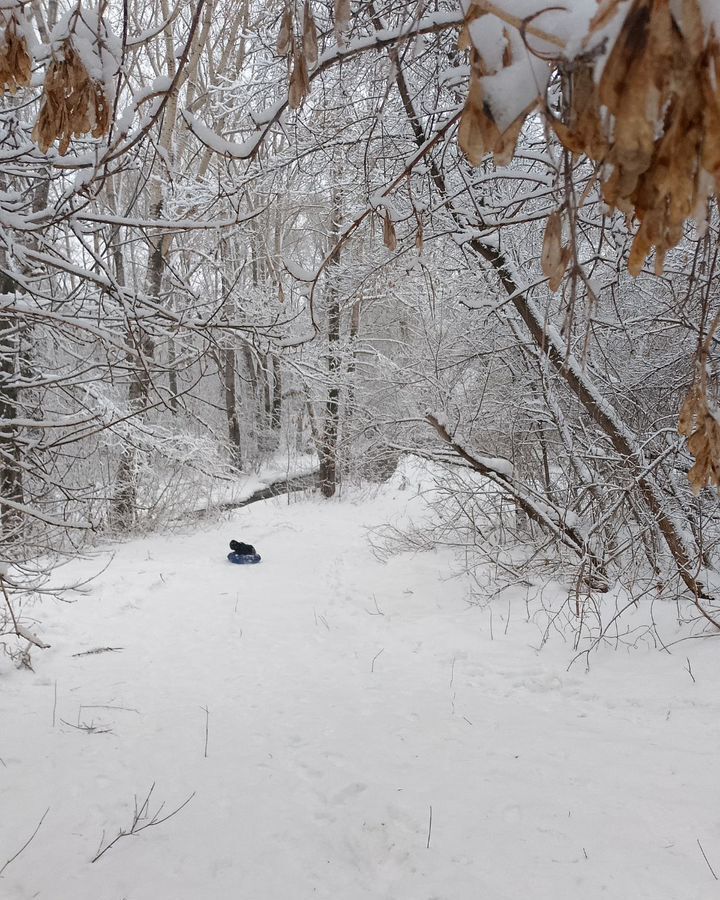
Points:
(285, 35)
(73, 104)
(420, 238)
(342, 20)
(700, 424)
(651, 120)
(15, 59)
(299, 81)
(554, 258)
(389, 236)
(310, 37)
(486, 124)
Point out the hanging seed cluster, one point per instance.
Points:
(303, 52)
(15, 59)
(700, 424)
(479, 132)
(73, 104)
(652, 120)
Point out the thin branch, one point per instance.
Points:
(27, 842)
(135, 827)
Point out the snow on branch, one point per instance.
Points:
(640, 97)
(563, 525)
(266, 119)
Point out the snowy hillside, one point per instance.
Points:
(344, 729)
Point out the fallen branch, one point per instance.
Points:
(140, 814)
(27, 842)
(544, 512)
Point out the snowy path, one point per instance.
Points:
(332, 730)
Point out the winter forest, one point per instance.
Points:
(422, 297)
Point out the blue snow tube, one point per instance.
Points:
(244, 559)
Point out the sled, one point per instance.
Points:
(243, 559)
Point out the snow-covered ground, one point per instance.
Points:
(317, 707)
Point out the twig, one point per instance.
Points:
(372, 664)
(20, 630)
(522, 25)
(378, 612)
(427, 846)
(452, 672)
(689, 669)
(99, 650)
(37, 828)
(142, 812)
(54, 703)
(88, 729)
(701, 850)
(207, 726)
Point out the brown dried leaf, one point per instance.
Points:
(554, 258)
(552, 243)
(285, 35)
(342, 20)
(389, 235)
(420, 238)
(310, 37)
(15, 59)
(472, 133)
(700, 425)
(72, 104)
(299, 81)
(711, 111)
(503, 148)
(555, 279)
(584, 120)
(692, 28)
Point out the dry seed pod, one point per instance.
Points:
(472, 133)
(692, 27)
(342, 20)
(310, 38)
(583, 131)
(700, 425)
(15, 59)
(299, 81)
(479, 133)
(389, 236)
(554, 258)
(285, 35)
(73, 104)
(420, 238)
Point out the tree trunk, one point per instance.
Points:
(11, 481)
(328, 474)
(231, 411)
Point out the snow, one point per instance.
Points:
(345, 698)
(242, 487)
(217, 144)
(297, 271)
(98, 47)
